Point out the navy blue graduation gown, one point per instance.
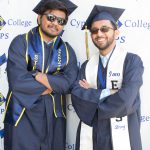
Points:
(97, 113)
(38, 128)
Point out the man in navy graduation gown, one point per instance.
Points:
(96, 104)
(41, 69)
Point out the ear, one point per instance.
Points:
(116, 33)
(38, 19)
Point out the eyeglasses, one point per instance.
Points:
(103, 29)
(52, 18)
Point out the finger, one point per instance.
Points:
(81, 82)
(85, 81)
(82, 85)
(86, 84)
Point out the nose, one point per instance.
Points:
(100, 32)
(55, 22)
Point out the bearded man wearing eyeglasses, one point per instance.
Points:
(41, 69)
(106, 95)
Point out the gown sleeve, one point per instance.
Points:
(127, 100)
(62, 83)
(25, 89)
(85, 101)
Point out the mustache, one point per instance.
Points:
(54, 27)
(99, 37)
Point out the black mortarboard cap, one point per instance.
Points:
(68, 4)
(103, 13)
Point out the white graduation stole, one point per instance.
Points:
(119, 126)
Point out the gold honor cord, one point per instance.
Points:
(62, 107)
(55, 40)
(27, 60)
(20, 116)
(67, 53)
(42, 49)
(47, 70)
(54, 105)
(86, 43)
(7, 105)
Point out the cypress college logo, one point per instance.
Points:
(2, 22)
(2, 99)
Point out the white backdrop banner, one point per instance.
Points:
(17, 17)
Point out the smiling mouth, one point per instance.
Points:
(53, 29)
(100, 39)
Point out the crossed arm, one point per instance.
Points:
(83, 83)
(42, 78)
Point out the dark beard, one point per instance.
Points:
(101, 48)
(108, 44)
(49, 35)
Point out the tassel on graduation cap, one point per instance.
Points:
(87, 44)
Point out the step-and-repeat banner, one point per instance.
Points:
(17, 17)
